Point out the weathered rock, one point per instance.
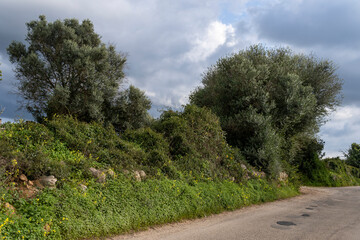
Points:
(126, 172)
(258, 174)
(100, 175)
(111, 173)
(83, 187)
(28, 191)
(38, 184)
(30, 183)
(137, 176)
(243, 166)
(47, 227)
(142, 174)
(283, 176)
(246, 176)
(48, 181)
(23, 178)
(9, 208)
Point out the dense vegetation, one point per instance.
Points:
(248, 137)
(270, 102)
(175, 187)
(353, 155)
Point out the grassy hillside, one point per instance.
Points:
(108, 183)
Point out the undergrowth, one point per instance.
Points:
(121, 205)
(190, 172)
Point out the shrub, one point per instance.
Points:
(96, 142)
(353, 155)
(26, 147)
(153, 143)
(197, 143)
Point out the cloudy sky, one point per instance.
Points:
(171, 43)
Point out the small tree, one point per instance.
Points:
(353, 155)
(130, 110)
(66, 69)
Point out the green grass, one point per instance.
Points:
(122, 205)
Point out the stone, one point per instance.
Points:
(137, 176)
(9, 208)
(126, 172)
(246, 176)
(283, 176)
(100, 175)
(48, 181)
(38, 184)
(83, 187)
(28, 190)
(243, 166)
(23, 178)
(47, 227)
(142, 174)
(29, 193)
(111, 173)
(258, 174)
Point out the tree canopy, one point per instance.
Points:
(65, 68)
(353, 155)
(130, 110)
(267, 98)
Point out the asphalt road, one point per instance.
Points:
(320, 213)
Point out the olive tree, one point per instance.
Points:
(268, 98)
(64, 68)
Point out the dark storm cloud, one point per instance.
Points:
(351, 86)
(311, 23)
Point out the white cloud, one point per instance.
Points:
(4, 120)
(217, 34)
(342, 130)
(150, 93)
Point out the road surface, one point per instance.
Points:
(320, 213)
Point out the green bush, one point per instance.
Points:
(154, 144)
(96, 142)
(197, 143)
(315, 173)
(30, 148)
(353, 155)
(331, 172)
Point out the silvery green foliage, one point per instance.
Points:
(266, 97)
(64, 68)
(130, 110)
